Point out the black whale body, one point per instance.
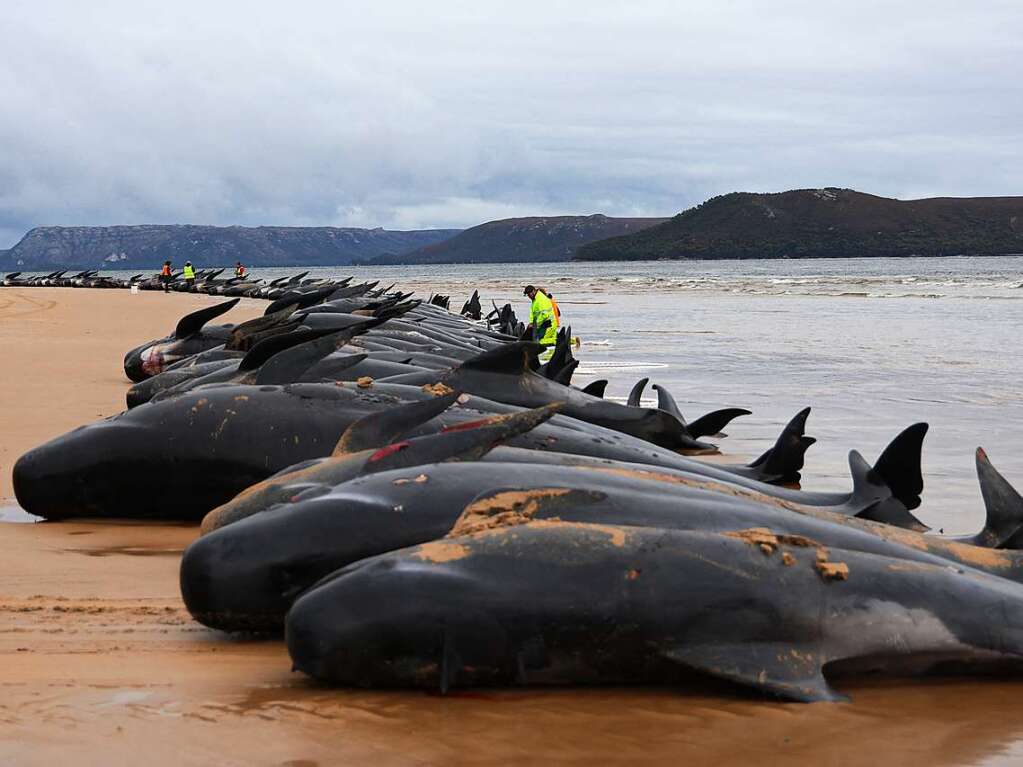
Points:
(596, 604)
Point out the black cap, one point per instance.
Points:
(527, 290)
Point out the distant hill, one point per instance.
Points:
(147, 246)
(541, 238)
(824, 223)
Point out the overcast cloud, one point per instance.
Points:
(446, 114)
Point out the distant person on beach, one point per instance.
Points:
(239, 270)
(189, 275)
(165, 276)
(540, 311)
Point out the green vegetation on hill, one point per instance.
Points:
(538, 238)
(824, 223)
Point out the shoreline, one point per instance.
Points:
(102, 661)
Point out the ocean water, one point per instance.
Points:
(872, 345)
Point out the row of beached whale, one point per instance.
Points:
(210, 281)
(417, 501)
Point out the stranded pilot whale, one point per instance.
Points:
(244, 575)
(562, 602)
(192, 336)
(504, 374)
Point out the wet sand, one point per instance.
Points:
(100, 663)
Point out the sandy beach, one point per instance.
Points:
(101, 664)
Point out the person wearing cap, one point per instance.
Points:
(540, 311)
(189, 274)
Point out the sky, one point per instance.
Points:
(447, 114)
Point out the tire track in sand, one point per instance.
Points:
(11, 309)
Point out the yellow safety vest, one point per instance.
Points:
(189, 273)
(540, 312)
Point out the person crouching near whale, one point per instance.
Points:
(165, 276)
(543, 322)
(189, 275)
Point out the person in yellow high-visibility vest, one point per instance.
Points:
(189, 275)
(541, 311)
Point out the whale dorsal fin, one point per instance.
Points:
(596, 388)
(288, 365)
(246, 331)
(1003, 505)
(379, 429)
(510, 359)
(636, 395)
(193, 323)
(268, 347)
(465, 442)
(667, 403)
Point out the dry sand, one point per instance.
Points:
(100, 663)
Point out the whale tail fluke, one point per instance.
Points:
(564, 375)
(873, 498)
(784, 461)
(712, 423)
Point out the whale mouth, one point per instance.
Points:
(153, 361)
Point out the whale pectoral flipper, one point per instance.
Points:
(781, 669)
